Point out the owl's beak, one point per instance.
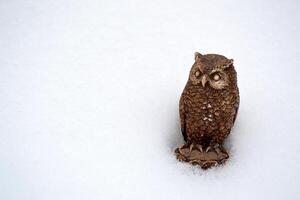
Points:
(204, 80)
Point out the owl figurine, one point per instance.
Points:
(208, 108)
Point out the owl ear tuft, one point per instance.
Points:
(228, 64)
(197, 56)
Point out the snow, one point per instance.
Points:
(90, 90)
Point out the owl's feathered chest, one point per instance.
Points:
(200, 99)
(209, 110)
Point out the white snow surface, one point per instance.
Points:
(90, 90)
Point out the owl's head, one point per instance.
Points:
(211, 70)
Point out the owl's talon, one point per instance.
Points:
(179, 151)
(217, 150)
(200, 148)
(191, 147)
(207, 149)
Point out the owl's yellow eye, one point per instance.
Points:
(216, 77)
(197, 73)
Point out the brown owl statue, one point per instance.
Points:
(208, 108)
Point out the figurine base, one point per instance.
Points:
(205, 158)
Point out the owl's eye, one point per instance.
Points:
(215, 76)
(197, 73)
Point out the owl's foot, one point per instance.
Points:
(195, 154)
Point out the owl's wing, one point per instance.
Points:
(182, 117)
(236, 108)
(234, 118)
